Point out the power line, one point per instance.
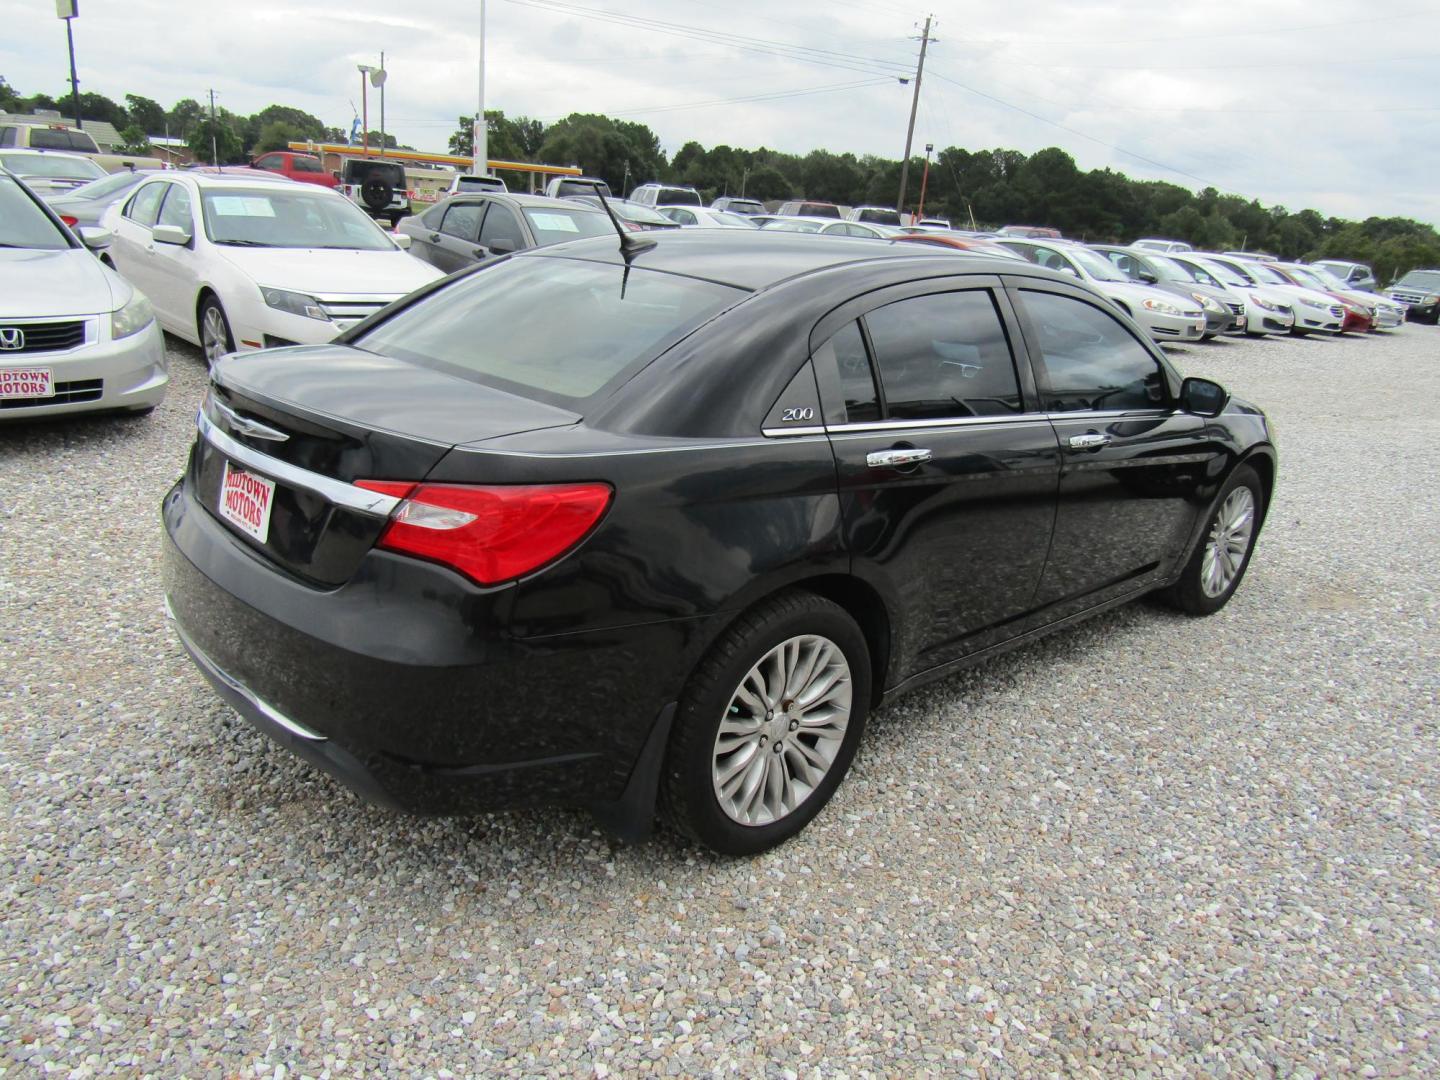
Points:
(774, 96)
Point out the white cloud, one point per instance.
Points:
(1297, 102)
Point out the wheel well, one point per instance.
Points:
(205, 294)
(863, 604)
(1264, 466)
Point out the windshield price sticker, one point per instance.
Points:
(241, 206)
(245, 501)
(554, 222)
(26, 383)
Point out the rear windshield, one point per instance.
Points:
(581, 187)
(820, 209)
(879, 216)
(56, 139)
(677, 196)
(741, 206)
(66, 168)
(110, 186)
(559, 330)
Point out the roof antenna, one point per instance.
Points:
(630, 245)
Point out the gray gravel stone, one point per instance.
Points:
(1148, 846)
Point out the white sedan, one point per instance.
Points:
(73, 336)
(698, 217)
(235, 264)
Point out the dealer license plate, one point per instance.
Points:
(32, 382)
(245, 501)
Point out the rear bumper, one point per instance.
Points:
(403, 684)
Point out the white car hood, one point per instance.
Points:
(1136, 294)
(324, 272)
(48, 284)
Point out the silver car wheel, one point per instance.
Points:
(782, 730)
(1229, 542)
(214, 335)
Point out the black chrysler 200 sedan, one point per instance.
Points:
(618, 528)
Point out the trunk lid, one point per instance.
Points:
(312, 421)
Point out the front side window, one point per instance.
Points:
(944, 355)
(269, 161)
(176, 210)
(305, 164)
(144, 206)
(501, 224)
(1090, 361)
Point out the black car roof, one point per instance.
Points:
(757, 259)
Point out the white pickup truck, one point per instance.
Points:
(30, 134)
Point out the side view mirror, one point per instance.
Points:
(401, 241)
(502, 247)
(170, 234)
(94, 237)
(1147, 277)
(1202, 397)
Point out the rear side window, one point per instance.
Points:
(602, 322)
(1089, 360)
(462, 221)
(944, 355)
(857, 381)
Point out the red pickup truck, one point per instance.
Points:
(307, 168)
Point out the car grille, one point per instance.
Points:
(66, 393)
(46, 337)
(351, 309)
(1338, 312)
(1406, 297)
(1236, 309)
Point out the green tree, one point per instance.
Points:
(227, 142)
(147, 115)
(99, 107)
(183, 118)
(9, 99)
(137, 141)
(603, 148)
(276, 135)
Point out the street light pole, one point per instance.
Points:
(482, 133)
(69, 10)
(381, 76)
(365, 70)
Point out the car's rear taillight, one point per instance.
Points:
(491, 533)
(70, 221)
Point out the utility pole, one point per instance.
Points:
(925, 40)
(214, 150)
(482, 130)
(364, 111)
(924, 180)
(69, 10)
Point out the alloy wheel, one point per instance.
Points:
(214, 335)
(1228, 542)
(782, 730)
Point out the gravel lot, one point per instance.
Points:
(1150, 844)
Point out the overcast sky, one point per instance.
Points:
(1304, 103)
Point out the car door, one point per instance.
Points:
(130, 246)
(453, 244)
(1133, 464)
(946, 475)
(172, 267)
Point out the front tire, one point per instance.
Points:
(768, 725)
(1219, 563)
(215, 337)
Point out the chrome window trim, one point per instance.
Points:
(932, 422)
(336, 491)
(968, 421)
(782, 432)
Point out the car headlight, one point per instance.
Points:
(1260, 301)
(1209, 303)
(134, 316)
(1318, 305)
(296, 303)
(1164, 307)
(1431, 299)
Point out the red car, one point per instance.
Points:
(307, 168)
(1357, 318)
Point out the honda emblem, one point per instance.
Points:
(12, 338)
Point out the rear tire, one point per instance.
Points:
(1220, 560)
(789, 684)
